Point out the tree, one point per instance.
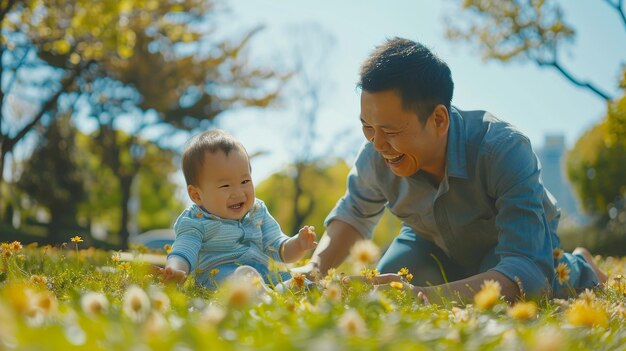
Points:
(158, 64)
(53, 179)
(526, 30)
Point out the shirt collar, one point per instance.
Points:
(456, 159)
(201, 212)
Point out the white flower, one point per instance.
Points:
(351, 323)
(364, 252)
(213, 315)
(136, 304)
(160, 301)
(94, 303)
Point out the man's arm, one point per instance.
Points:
(465, 289)
(334, 247)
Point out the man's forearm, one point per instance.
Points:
(465, 289)
(335, 245)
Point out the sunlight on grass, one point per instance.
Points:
(61, 298)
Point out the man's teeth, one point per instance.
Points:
(392, 158)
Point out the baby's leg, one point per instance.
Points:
(581, 251)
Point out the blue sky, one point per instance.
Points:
(537, 101)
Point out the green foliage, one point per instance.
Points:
(323, 184)
(597, 164)
(47, 302)
(52, 176)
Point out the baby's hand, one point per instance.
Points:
(169, 274)
(306, 238)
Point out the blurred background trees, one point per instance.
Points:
(536, 31)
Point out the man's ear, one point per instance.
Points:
(194, 193)
(441, 118)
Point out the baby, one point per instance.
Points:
(227, 227)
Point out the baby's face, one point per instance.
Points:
(225, 188)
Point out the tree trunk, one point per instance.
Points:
(125, 185)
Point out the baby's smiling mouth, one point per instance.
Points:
(236, 206)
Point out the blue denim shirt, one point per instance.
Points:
(491, 197)
(207, 241)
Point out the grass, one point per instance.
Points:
(57, 298)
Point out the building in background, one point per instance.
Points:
(555, 179)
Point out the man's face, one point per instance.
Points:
(398, 135)
(225, 184)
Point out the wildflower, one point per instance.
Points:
(488, 295)
(15, 246)
(77, 239)
(588, 296)
(562, 272)
(396, 285)
(459, 315)
(39, 280)
(214, 272)
(333, 292)
(364, 252)
(408, 277)
(238, 292)
(46, 303)
(330, 274)
(403, 271)
(523, 310)
(213, 315)
(351, 323)
(160, 301)
(94, 303)
(155, 324)
(557, 254)
(297, 280)
(167, 248)
(136, 303)
(548, 339)
(116, 257)
(124, 266)
(370, 274)
(580, 313)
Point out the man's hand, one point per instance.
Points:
(390, 280)
(306, 238)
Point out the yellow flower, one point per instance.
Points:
(297, 280)
(115, 257)
(77, 239)
(557, 254)
(124, 266)
(403, 271)
(408, 277)
(167, 248)
(523, 310)
(38, 280)
(396, 285)
(214, 272)
(489, 294)
(94, 303)
(369, 273)
(562, 272)
(351, 323)
(580, 313)
(16, 246)
(364, 252)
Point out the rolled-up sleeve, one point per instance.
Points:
(524, 240)
(188, 240)
(363, 203)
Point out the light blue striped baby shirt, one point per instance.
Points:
(207, 241)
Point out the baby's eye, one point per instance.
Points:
(245, 181)
(224, 186)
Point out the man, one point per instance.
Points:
(465, 184)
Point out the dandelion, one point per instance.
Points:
(370, 274)
(396, 285)
(562, 272)
(580, 313)
(39, 280)
(77, 239)
(489, 294)
(364, 252)
(351, 323)
(403, 271)
(557, 254)
(136, 304)
(15, 246)
(523, 310)
(94, 303)
(408, 277)
(167, 248)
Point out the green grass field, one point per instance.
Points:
(64, 298)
